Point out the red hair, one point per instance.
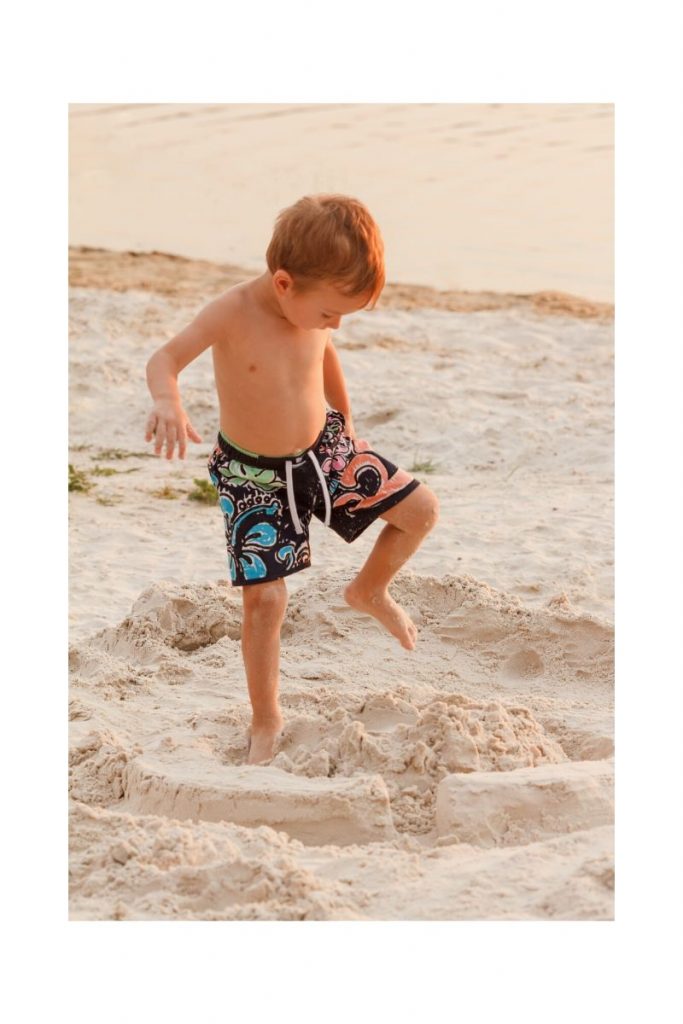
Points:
(329, 237)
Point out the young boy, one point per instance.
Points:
(280, 456)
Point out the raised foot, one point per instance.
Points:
(383, 608)
(262, 740)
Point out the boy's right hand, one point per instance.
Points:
(169, 425)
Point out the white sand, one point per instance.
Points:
(401, 788)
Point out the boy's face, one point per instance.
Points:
(320, 308)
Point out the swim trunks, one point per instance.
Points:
(267, 501)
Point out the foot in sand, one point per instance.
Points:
(261, 741)
(383, 607)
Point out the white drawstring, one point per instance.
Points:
(290, 492)
(323, 484)
(290, 496)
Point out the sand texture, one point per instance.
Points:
(471, 778)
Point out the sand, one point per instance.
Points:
(471, 778)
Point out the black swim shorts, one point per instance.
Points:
(267, 502)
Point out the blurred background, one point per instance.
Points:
(503, 197)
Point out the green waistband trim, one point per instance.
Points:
(247, 452)
(239, 447)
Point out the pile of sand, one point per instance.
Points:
(368, 759)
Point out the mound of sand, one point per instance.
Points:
(368, 759)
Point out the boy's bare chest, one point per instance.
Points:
(260, 350)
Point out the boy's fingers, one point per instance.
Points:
(169, 434)
(170, 441)
(149, 427)
(160, 437)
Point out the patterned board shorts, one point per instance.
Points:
(267, 502)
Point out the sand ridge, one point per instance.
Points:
(181, 279)
(357, 765)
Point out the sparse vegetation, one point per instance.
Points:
(78, 480)
(110, 471)
(204, 491)
(166, 492)
(426, 466)
(111, 454)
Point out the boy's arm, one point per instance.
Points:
(335, 387)
(168, 422)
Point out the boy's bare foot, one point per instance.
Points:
(261, 739)
(383, 607)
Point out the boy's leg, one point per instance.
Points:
(408, 523)
(264, 606)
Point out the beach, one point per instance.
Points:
(506, 197)
(471, 778)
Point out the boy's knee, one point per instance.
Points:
(270, 596)
(431, 506)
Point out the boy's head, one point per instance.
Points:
(327, 259)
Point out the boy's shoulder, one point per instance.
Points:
(223, 311)
(231, 299)
(235, 300)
